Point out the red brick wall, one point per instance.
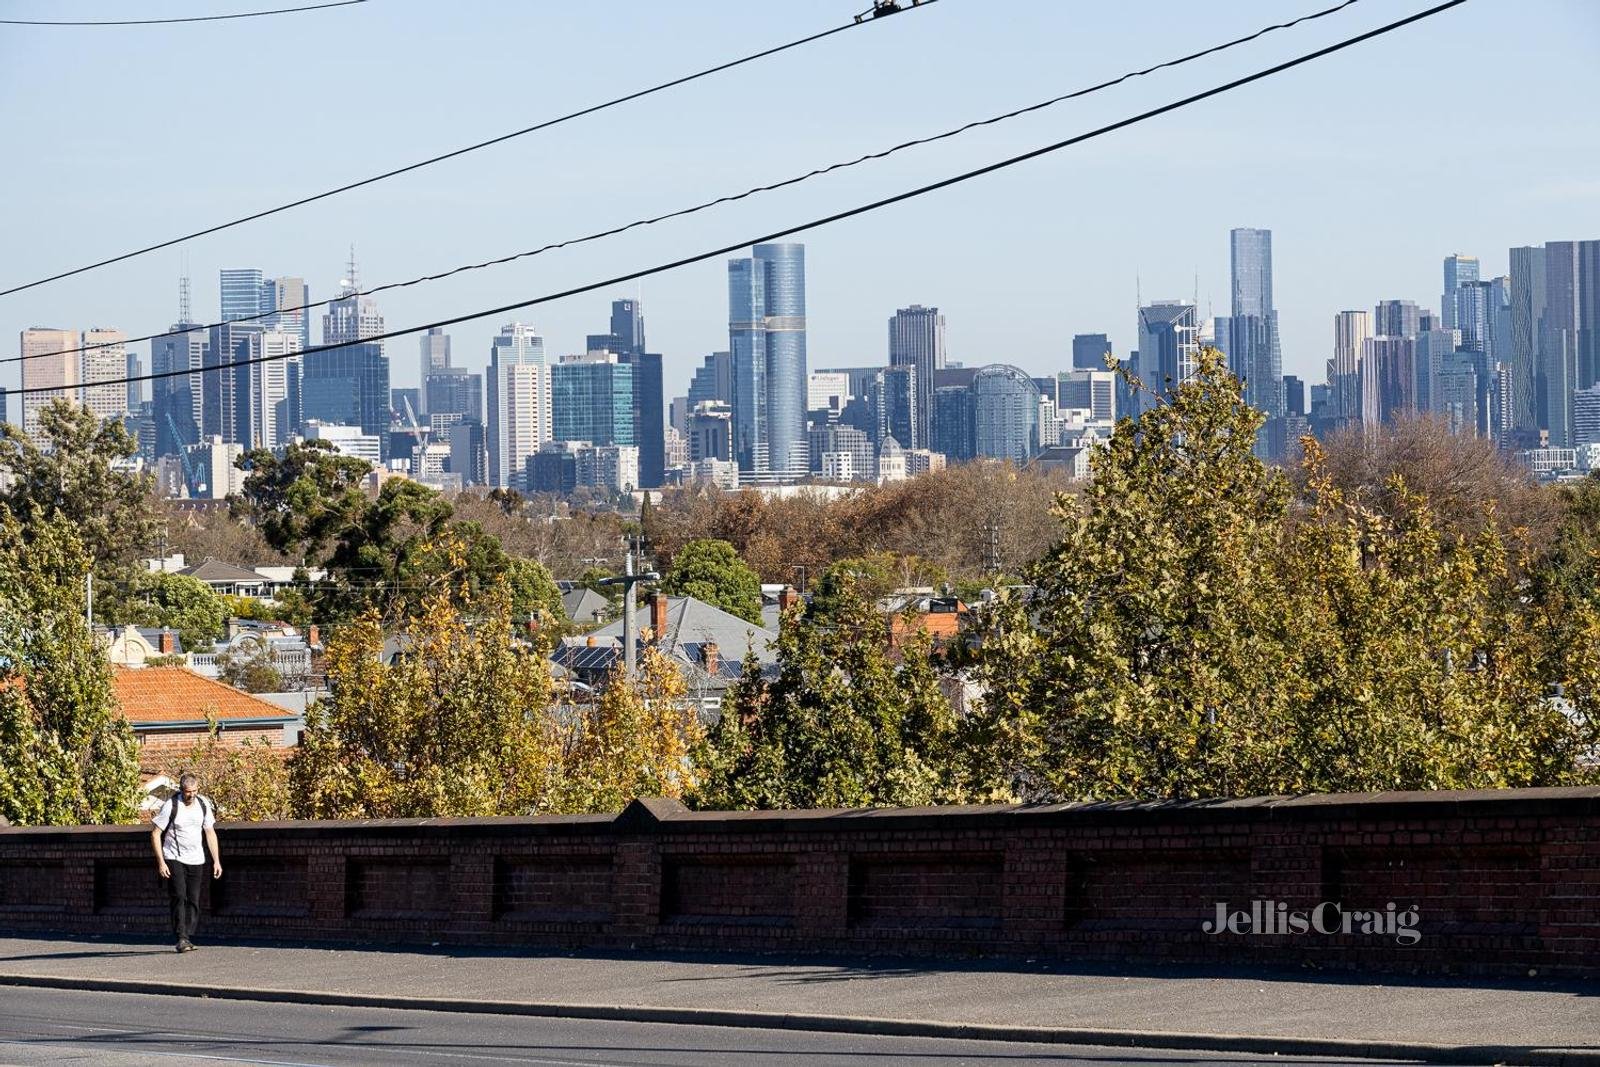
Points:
(1503, 881)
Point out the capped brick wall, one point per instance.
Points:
(1503, 881)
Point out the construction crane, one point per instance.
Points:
(189, 480)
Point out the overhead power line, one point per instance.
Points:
(546, 124)
(168, 22)
(706, 205)
(789, 231)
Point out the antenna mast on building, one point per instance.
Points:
(183, 298)
(351, 281)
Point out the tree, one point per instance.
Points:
(251, 669)
(66, 753)
(712, 571)
(73, 474)
(844, 723)
(1191, 636)
(872, 577)
(304, 500)
(458, 724)
(248, 782)
(634, 740)
(178, 601)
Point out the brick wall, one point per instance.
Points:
(1503, 881)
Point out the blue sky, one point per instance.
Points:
(1471, 132)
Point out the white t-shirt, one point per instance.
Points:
(185, 844)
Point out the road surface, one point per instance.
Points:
(42, 1026)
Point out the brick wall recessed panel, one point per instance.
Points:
(926, 891)
(1162, 889)
(553, 889)
(263, 887)
(404, 888)
(31, 887)
(1480, 891)
(130, 887)
(729, 890)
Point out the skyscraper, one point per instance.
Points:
(916, 338)
(893, 398)
(519, 402)
(176, 400)
(40, 371)
(767, 338)
(713, 380)
(245, 293)
(289, 293)
(226, 407)
(591, 399)
(452, 396)
(435, 348)
(1396, 318)
(1169, 336)
(1459, 270)
(1251, 334)
(349, 384)
(1005, 413)
(104, 364)
(649, 416)
(1529, 411)
(1350, 332)
(1090, 350)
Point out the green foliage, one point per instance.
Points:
(71, 475)
(844, 724)
(252, 608)
(712, 571)
(872, 577)
(177, 601)
(250, 669)
(381, 552)
(457, 725)
(1193, 635)
(67, 755)
(248, 782)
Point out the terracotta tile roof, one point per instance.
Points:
(174, 694)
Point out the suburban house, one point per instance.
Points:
(134, 646)
(171, 708)
(707, 644)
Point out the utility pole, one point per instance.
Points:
(630, 626)
(88, 599)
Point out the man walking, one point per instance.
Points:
(184, 835)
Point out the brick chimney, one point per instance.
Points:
(710, 654)
(592, 641)
(658, 617)
(313, 635)
(787, 599)
(167, 642)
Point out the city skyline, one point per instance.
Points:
(967, 252)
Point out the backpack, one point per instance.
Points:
(207, 809)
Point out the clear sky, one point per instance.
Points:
(1471, 132)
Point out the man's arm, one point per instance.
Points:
(161, 861)
(216, 854)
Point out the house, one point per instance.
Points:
(171, 708)
(940, 617)
(134, 646)
(707, 644)
(585, 606)
(229, 579)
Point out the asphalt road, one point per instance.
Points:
(41, 1026)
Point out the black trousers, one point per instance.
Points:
(184, 889)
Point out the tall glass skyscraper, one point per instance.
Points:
(1251, 336)
(1089, 351)
(245, 292)
(1005, 414)
(591, 399)
(1169, 344)
(767, 339)
(1459, 270)
(916, 339)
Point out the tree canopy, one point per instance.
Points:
(711, 570)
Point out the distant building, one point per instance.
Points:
(893, 399)
(469, 453)
(519, 401)
(1169, 336)
(1092, 390)
(214, 462)
(1090, 351)
(347, 440)
(49, 361)
(891, 462)
(916, 339)
(1005, 414)
(592, 399)
(767, 339)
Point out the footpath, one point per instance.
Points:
(1300, 1013)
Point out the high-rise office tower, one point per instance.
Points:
(44, 371)
(713, 380)
(954, 433)
(519, 402)
(626, 336)
(1249, 335)
(435, 347)
(649, 417)
(105, 359)
(1433, 351)
(1350, 332)
(287, 298)
(591, 399)
(1090, 351)
(1459, 270)
(245, 294)
(1005, 413)
(1169, 345)
(1396, 318)
(452, 396)
(1294, 395)
(349, 384)
(916, 338)
(176, 401)
(1094, 391)
(767, 339)
(226, 407)
(1529, 412)
(1388, 376)
(272, 420)
(893, 397)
